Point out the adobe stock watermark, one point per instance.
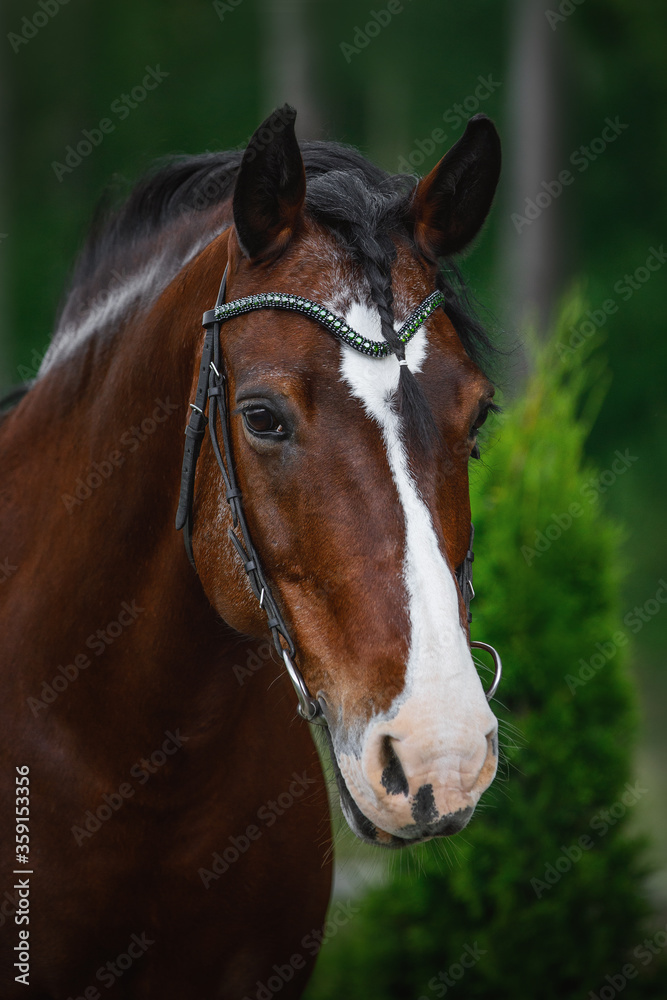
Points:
(31, 26)
(644, 953)
(565, 9)
(97, 642)
(265, 136)
(454, 116)
(444, 981)
(102, 297)
(221, 7)
(109, 973)
(591, 490)
(580, 158)
(210, 190)
(121, 108)
(255, 660)
(624, 288)
(9, 905)
(338, 916)
(7, 570)
(364, 35)
(601, 823)
(605, 651)
(28, 372)
(130, 440)
(267, 814)
(141, 772)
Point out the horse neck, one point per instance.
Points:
(101, 440)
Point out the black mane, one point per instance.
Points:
(175, 205)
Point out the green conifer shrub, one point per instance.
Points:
(541, 897)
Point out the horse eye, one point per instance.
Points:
(474, 452)
(260, 420)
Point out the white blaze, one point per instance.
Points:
(441, 717)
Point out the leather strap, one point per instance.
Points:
(194, 435)
(464, 575)
(211, 389)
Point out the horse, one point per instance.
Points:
(166, 826)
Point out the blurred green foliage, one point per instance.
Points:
(545, 897)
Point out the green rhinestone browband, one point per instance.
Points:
(340, 329)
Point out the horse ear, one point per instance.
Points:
(270, 188)
(451, 203)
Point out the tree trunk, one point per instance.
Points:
(532, 252)
(287, 62)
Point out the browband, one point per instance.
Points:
(334, 324)
(211, 386)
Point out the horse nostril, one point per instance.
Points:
(490, 764)
(424, 810)
(393, 775)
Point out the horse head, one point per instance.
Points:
(352, 459)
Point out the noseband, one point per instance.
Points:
(211, 388)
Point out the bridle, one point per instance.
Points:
(211, 387)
